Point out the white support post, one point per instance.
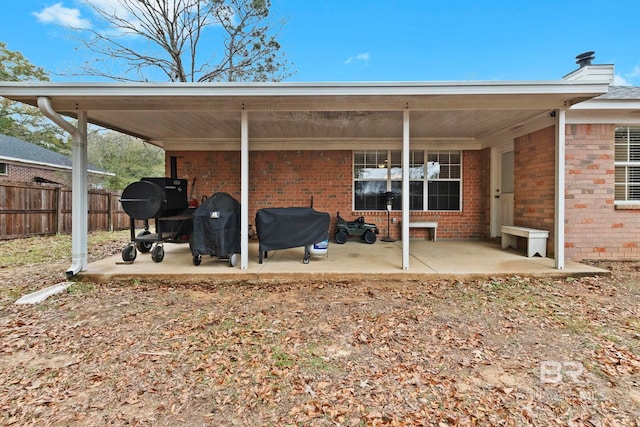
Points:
(405, 190)
(244, 191)
(80, 196)
(558, 240)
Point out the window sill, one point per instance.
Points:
(627, 207)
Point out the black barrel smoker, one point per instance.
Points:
(282, 228)
(216, 229)
(165, 201)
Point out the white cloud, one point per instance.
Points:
(627, 79)
(60, 15)
(618, 80)
(635, 72)
(359, 57)
(127, 12)
(113, 7)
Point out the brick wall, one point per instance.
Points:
(594, 228)
(20, 173)
(292, 178)
(534, 182)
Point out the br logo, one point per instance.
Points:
(554, 372)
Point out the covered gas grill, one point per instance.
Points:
(283, 228)
(165, 201)
(216, 229)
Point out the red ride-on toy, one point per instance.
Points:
(345, 229)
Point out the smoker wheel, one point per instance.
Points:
(144, 247)
(129, 253)
(341, 237)
(157, 255)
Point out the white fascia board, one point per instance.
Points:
(95, 172)
(33, 163)
(600, 118)
(608, 104)
(24, 89)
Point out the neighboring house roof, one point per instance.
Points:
(19, 151)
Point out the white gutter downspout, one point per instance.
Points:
(244, 191)
(405, 190)
(79, 191)
(558, 242)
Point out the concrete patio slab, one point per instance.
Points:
(461, 259)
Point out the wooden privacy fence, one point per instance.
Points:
(37, 209)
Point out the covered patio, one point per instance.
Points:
(444, 259)
(244, 118)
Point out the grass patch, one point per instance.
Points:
(319, 364)
(281, 359)
(33, 250)
(574, 324)
(39, 249)
(10, 294)
(313, 360)
(80, 288)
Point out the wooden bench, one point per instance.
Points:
(536, 239)
(433, 225)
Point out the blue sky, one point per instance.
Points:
(389, 40)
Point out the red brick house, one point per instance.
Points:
(602, 189)
(472, 156)
(23, 161)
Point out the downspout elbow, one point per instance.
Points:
(75, 268)
(44, 104)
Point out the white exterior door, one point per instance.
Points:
(502, 187)
(506, 189)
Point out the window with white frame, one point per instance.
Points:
(3, 169)
(434, 180)
(627, 164)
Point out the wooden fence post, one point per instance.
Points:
(58, 219)
(109, 212)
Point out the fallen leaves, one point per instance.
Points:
(350, 353)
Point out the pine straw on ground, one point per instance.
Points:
(505, 351)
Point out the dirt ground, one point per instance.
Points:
(504, 351)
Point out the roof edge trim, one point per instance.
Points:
(21, 89)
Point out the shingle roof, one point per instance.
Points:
(621, 92)
(19, 150)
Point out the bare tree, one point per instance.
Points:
(179, 41)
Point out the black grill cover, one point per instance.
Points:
(216, 226)
(282, 228)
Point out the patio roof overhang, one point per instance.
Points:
(295, 116)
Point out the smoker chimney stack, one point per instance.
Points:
(585, 58)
